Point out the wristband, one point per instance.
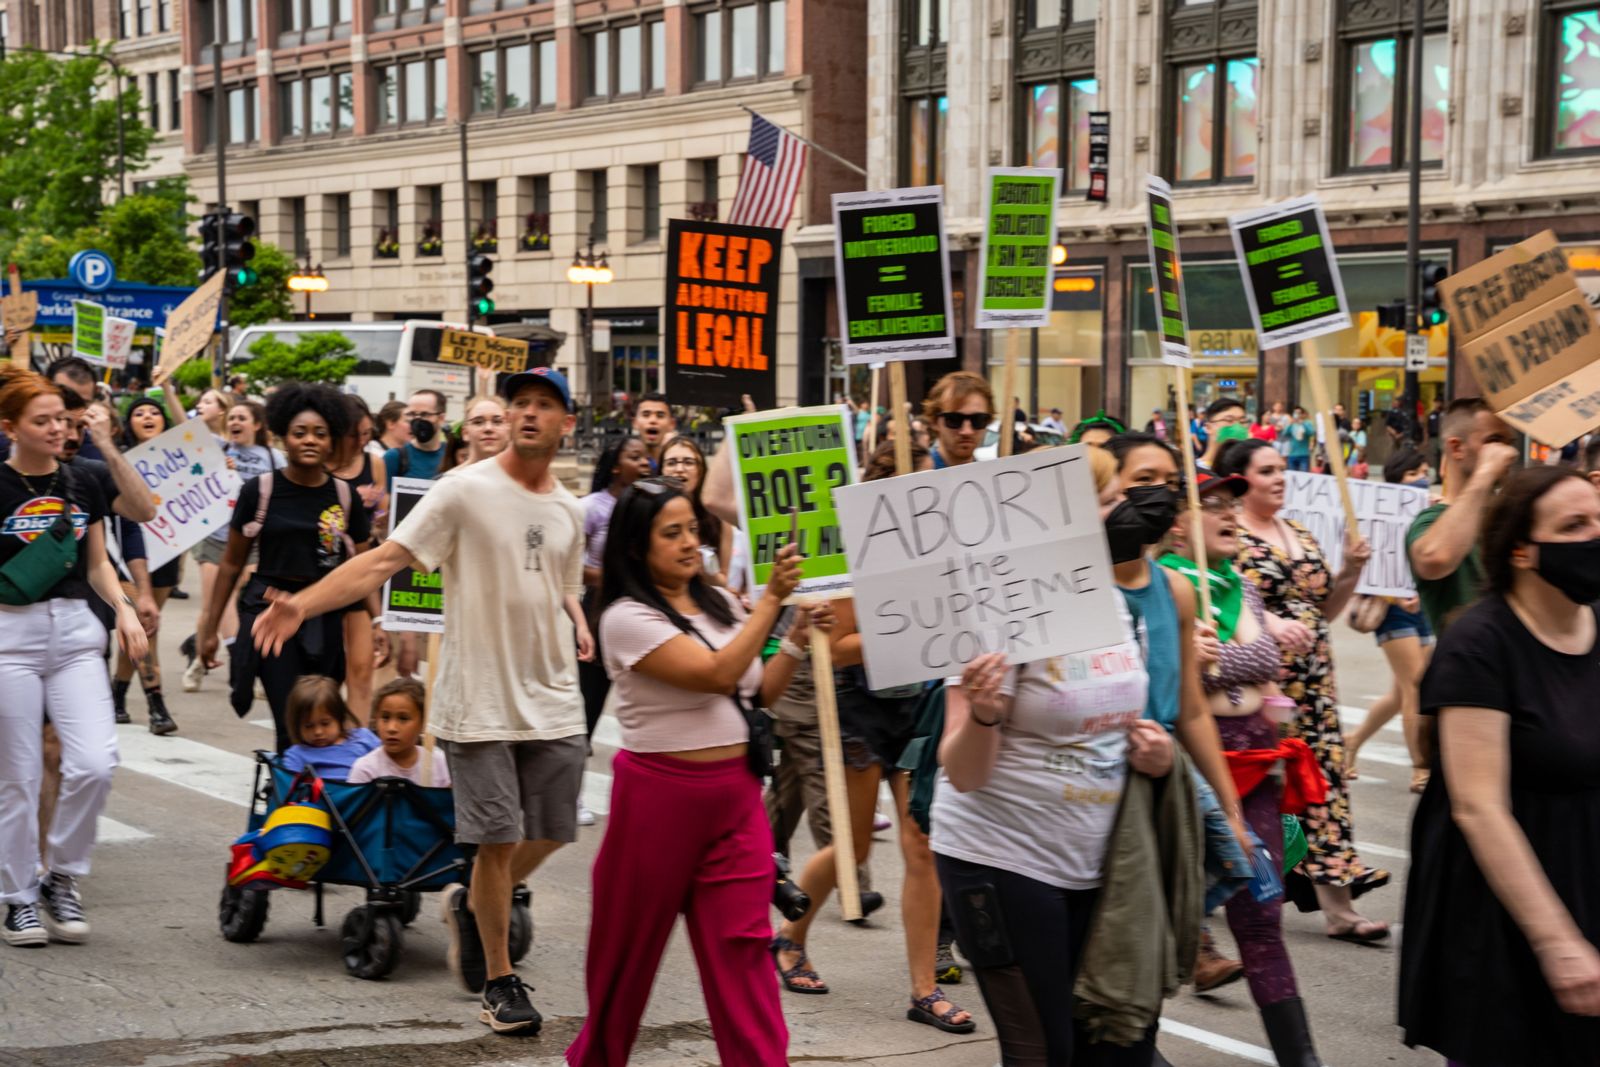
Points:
(794, 651)
(982, 722)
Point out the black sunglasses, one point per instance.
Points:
(978, 420)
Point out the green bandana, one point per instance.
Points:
(1227, 590)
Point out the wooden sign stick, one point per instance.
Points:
(875, 402)
(1008, 410)
(902, 423)
(427, 736)
(1197, 530)
(844, 845)
(1319, 393)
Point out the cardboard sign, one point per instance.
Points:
(1383, 513)
(18, 312)
(503, 355)
(1019, 230)
(1007, 556)
(119, 341)
(189, 328)
(793, 461)
(722, 313)
(1291, 276)
(1172, 314)
(894, 275)
(413, 602)
(194, 490)
(89, 331)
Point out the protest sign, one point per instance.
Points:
(189, 328)
(1525, 328)
(1019, 229)
(1007, 556)
(413, 602)
(722, 312)
(1384, 512)
(89, 331)
(18, 309)
(119, 341)
(1291, 277)
(503, 355)
(193, 488)
(894, 275)
(1166, 272)
(793, 460)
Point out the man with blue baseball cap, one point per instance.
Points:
(508, 539)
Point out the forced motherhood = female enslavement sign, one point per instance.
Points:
(1007, 556)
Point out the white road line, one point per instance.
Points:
(1242, 1049)
(111, 832)
(190, 764)
(1351, 717)
(1378, 752)
(1382, 850)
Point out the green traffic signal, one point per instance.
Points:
(1432, 317)
(483, 306)
(245, 276)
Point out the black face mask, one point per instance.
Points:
(1157, 505)
(422, 430)
(1572, 567)
(1127, 532)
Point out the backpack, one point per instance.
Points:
(921, 755)
(291, 846)
(341, 488)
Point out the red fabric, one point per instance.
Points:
(1303, 780)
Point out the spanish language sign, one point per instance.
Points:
(1019, 230)
(89, 331)
(413, 602)
(193, 488)
(1172, 314)
(894, 275)
(787, 465)
(503, 355)
(1291, 277)
(189, 328)
(1383, 514)
(1007, 556)
(722, 313)
(1524, 327)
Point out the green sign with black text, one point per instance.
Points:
(1019, 230)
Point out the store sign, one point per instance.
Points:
(1291, 276)
(722, 313)
(1019, 230)
(1099, 154)
(1165, 268)
(894, 275)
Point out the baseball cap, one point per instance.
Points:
(1211, 483)
(538, 375)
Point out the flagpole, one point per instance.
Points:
(809, 143)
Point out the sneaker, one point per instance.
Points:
(62, 910)
(880, 822)
(506, 1007)
(193, 675)
(585, 816)
(945, 967)
(22, 927)
(465, 954)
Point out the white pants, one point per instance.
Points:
(52, 655)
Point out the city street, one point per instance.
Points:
(158, 986)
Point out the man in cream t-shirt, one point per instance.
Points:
(508, 539)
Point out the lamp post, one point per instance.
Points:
(589, 270)
(308, 280)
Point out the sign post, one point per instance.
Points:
(721, 312)
(413, 602)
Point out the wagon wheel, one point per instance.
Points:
(370, 940)
(410, 906)
(520, 933)
(242, 913)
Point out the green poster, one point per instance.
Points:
(89, 331)
(1019, 230)
(787, 463)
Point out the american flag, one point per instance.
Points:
(773, 166)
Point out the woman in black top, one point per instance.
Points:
(354, 464)
(1498, 967)
(312, 523)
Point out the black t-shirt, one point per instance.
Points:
(300, 539)
(29, 507)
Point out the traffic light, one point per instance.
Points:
(238, 250)
(1392, 316)
(1432, 311)
(479, 284)
(210, 247)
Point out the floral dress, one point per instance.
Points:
(1296, 589)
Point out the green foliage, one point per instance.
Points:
(146, 235)
(312, 357)
(194, 376)
(268, 299)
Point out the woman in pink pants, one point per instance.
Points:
(687, 831)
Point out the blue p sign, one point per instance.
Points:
(92, 270)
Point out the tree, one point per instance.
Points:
(312, 357)
(147, 236)
(268, 299)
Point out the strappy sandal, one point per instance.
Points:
(921, 1011)
(801, 968)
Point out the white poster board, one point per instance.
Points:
(1384, 513)
(119, 341)
(413, 601)
(194, 490)
(1007, 555)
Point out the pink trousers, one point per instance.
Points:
(692, 839)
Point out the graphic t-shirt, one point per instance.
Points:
(418, 464)
(248, 461)
(29, 506)
(1443, 598)
(1301, 434)
(300, 540)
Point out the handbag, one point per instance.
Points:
(758, 750)
(1367, 613)
(28, 577)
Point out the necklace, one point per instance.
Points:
(27, 482)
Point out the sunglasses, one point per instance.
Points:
(953, 420)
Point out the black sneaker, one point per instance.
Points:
(871, 901)
(62, 909)
(465, 954)
(23, 927)
(506, 1007)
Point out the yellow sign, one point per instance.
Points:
(504, 355)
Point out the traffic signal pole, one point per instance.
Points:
(1414, 221)
(219, 126)
(466, 220)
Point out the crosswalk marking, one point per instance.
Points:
(1382, 850)
(109, 831)
(202, 768)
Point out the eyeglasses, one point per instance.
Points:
(409, 415)
(679, 461)
(978, 420)
(1224, 506)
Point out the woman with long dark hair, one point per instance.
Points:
(686, 816)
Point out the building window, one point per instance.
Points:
(1057, 135)
(319, 106)
(241, 28)
(412, 93)
(240, 117)
(341, 225)
(924, 107)
(163, 15)
(391, 13)
(1374, 82)
(739, 42)
(483, 7)
(175, 101)
(704, 174)
(486, 214)
(656, 79)
(926, 118)
(430, 236)
(1569, 97)
(300, 235)
(599, 213)
(1057, 86)
(513, 77)
(310, 21)
(625, 60)
(388, 218)
(1213, 92)
(152, 92)
(928, 21)
(650, 203)
(1046, 14)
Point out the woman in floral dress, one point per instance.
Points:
(1286, 564)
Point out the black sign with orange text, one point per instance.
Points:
(722, 313)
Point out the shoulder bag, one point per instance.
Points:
(28, 577)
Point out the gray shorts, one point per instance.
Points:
(510, 791)
(208, 551)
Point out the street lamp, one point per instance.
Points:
(308, 280)
(589, 270)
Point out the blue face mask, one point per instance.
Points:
(1421, 483)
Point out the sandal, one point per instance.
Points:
(799, 970)
(921, 1011)
(1363, 932)
(1419, 779)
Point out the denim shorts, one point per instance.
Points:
(1400, 623)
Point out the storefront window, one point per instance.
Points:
(1221, 339)
(1071, 351)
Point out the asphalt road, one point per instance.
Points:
(158, 986)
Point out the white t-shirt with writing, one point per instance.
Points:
(509, 669)
(1047, 810)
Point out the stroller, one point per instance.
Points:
(392, 837)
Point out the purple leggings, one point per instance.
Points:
(1257, 927)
